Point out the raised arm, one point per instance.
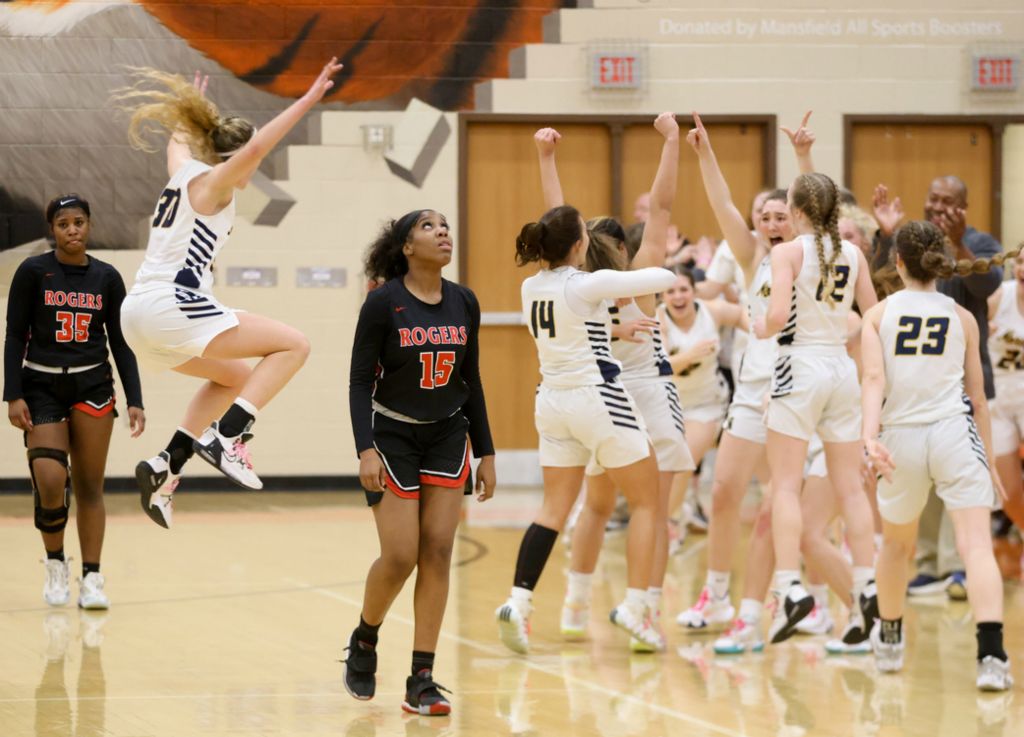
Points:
(730, 220)
(802, 139)
(214, 189)
(653, 246)
(545, 140)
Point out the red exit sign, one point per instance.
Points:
(615, 70)
(995, 72)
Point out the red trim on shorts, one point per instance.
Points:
(398, 490)
(446, 481)
(103, 411)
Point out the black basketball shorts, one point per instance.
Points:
(51, 397)
(433, 454)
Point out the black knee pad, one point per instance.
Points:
(50, 519)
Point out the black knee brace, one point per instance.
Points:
(50, 520)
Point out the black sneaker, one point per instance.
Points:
(423, 696)
(360, 669)
(869, 605)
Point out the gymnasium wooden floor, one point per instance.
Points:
(233, 623)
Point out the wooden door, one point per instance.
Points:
(906, 157)
(502, 194)
(740, 150)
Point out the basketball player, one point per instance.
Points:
(921, 433)
(741, 448)
(582, 411)
(1006, 347)
(62, 310)
(414, 394)
(171, 317)
(645, 375)
(815, 279)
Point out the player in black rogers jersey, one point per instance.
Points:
(414, 395)
(63, 308)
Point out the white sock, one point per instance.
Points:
(637, 598)
(718, 583)
(522, 598)
(785, 579)
(578, 590)
(820, 593)
(247, 406)
(861, 576)
(750, 611)
(654, 598)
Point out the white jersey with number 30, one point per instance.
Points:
(183, 243)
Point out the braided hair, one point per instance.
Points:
(817, 196)
(924, 249)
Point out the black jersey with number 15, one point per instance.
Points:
(419, 360)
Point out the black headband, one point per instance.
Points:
(405, 224)
(66, 202)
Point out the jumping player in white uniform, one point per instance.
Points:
(1006, 347)
(815, 280)
(170, 317)
(921, 356)
(637, 345)
(582, 411)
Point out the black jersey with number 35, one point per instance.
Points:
(419, 360)
(62, 316)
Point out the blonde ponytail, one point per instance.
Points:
(177, 107)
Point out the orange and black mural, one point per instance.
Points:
(61, 58)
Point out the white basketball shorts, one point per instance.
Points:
(745, 418)
(815, 393)
(709, 404)
(1008, 415)
(947, 454)
(600, 421)
(167, 327)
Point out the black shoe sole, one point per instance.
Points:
(802, 609)
(143, 473)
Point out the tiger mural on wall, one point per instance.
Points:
(406, 48)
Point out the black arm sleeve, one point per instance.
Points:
(127, 366)
(371, 332)
(475, 408)
(19, 321)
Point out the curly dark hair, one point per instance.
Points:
(384, 259)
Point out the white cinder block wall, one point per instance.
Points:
(343, 195)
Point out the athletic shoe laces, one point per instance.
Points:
(241, 451)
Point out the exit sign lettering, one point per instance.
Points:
(995, 72)
(615, 70)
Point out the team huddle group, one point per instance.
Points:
(631, 396)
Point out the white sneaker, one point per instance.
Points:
(230, 456)
(889, 656)
(90, 592)
(792, 607)
(740, 638)
(636, 622)
(57, 587)
(575, 616)
(156, 487)
(514, 626)
(707, 611)
(818, 622)
(994, 674)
